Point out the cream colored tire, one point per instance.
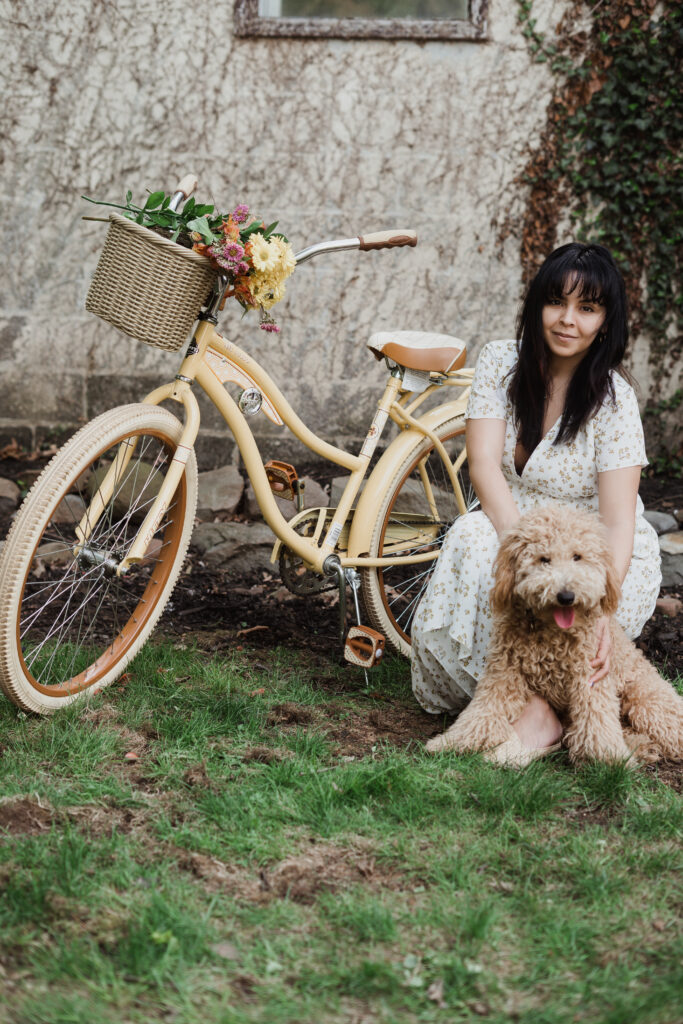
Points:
(68, 624)
(391, 596)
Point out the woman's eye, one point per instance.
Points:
(577, 558)
(545, 561)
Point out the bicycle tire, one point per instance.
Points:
(68, 624)
(391, 596)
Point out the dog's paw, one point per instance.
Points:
(448, 740)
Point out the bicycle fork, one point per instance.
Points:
(180, 391)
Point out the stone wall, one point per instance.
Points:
(333, 137)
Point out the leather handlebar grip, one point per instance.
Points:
(387, 239)
(186, 185)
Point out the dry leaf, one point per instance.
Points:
(435, 993)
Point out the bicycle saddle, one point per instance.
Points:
(419, 350)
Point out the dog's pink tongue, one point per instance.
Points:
(564, 617)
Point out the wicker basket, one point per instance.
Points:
(149, 287)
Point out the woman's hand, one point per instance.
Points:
(601, 661)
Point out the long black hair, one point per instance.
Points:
(591, 270)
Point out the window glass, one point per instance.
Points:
(427, 10)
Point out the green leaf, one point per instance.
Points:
(154, 200)
(252, 229)
(201, 225)
(129, 196)
(269, 230)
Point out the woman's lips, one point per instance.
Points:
(564, 337)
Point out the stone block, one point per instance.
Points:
(69, 510)
(220, 490)
(672, 543)
(242, 547)
(661, 521)
(9, 491)
(672, 570)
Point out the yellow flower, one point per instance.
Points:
(286, 261)
(263, 255)
(266, 290)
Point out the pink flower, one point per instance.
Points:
(270, 327)
(240, 213)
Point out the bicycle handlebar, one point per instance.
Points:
(375, 240)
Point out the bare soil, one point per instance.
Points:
(257, 611)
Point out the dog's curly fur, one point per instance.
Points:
(551, 552)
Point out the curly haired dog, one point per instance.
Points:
(554, 578)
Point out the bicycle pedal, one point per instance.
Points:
(285, 476)
(364, 646)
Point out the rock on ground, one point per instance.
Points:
(9, 491)
(671, 547)
(661, 521)
(220, 490)
(239, 546)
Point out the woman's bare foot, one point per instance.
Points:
(538, 725)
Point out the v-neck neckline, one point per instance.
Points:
(531, 455)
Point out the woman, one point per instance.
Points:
(552, 417)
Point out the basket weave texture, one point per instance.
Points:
(149, 287)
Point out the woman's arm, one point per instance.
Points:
(617, 494)
(485, 441)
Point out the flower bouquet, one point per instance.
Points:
(254, 257)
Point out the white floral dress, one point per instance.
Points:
(452, 625)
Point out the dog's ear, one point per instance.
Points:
(610, 601)
(504, 569)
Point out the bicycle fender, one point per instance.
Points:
(378, 481)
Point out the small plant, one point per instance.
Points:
(255, 258)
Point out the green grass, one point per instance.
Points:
(245, 869)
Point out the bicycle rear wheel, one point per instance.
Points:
(415, 513)
(68, 623)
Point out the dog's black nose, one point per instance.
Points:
(565, 597)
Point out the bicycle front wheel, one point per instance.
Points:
(68, 623)
(414, 515)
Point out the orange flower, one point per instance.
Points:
(230, 229)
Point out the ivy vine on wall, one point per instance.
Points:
(610, 152)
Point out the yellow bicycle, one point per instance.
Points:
(100, 540)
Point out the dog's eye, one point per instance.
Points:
(544, 561)
(577, 558)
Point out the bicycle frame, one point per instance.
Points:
(213, 361)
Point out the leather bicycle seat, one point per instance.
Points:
(419, 350)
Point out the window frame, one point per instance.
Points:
(248, 22)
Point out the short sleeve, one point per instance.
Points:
(619, 440)
(488, 397)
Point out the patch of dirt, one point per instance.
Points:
(301, 878)
(290, 713)
(28, 815)
(668, 772)
(356, 733)
(265, 755)
(25, 815)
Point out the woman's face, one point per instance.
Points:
(570, 325)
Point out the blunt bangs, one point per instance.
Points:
(585, 270)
